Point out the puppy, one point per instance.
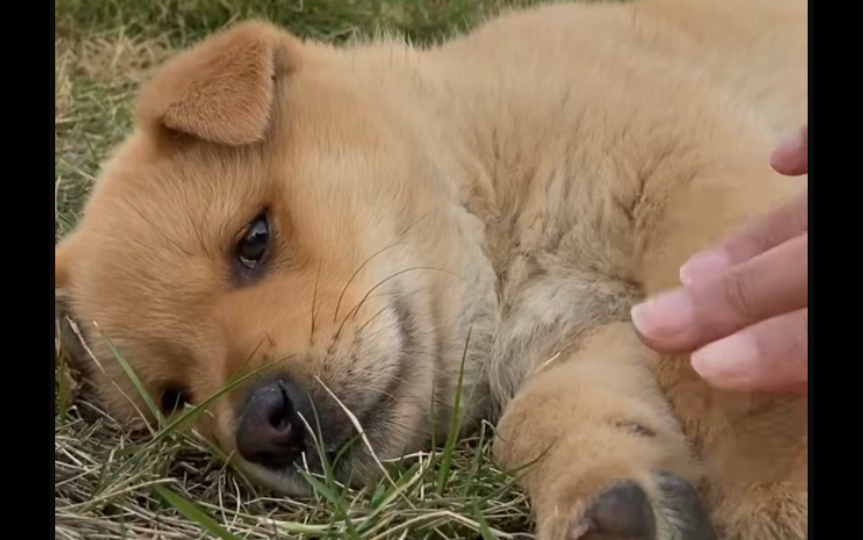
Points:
(360, 229)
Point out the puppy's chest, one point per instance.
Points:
(547, 304)
(563, 251)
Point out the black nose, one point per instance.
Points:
(270, 432)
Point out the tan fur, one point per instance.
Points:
(526, 184)
(230, 97)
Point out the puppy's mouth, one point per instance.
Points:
(283, 427)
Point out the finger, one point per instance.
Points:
(765, 286)
(757, 237)
(769, 356)
(790, 158)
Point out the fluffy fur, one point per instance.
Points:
(525, 184)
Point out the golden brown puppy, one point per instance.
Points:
(346, 217)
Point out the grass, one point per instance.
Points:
(112, 481)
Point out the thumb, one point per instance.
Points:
(790, 158)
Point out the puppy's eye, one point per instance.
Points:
(174, 398)
(256, 240)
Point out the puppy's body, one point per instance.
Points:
(523, 186)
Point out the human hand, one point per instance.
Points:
(742, 310)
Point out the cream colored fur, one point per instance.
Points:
(526, 184)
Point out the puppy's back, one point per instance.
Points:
(753, 51)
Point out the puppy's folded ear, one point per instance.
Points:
(222, 89)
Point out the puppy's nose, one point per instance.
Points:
(270, 432)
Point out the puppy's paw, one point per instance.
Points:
(681, 508)
(621, 511)
(625, 511)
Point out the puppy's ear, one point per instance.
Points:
(222, 89)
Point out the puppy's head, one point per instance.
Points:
(270, 222)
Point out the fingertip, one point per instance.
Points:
(665, 322)
(790, 158)
(777, 161)
(737, 364)
(727, 363)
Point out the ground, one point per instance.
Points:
(115, 482)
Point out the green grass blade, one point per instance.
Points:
(193, 513)
(485, 532)
(455, 425)
(62, 390)
(189, 416)
(475, 463)
(139, 386)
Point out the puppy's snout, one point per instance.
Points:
(271, 432)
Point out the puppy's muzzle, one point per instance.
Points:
(271, 432)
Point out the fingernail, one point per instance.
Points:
(704, 265)
(728, 362)
(666, 316)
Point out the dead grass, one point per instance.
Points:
(95, 78)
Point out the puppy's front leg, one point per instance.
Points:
(607, 458)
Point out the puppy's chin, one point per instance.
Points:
(287, 482)
(290, 480)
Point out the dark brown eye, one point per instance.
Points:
(174, 398)
(255, 243)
